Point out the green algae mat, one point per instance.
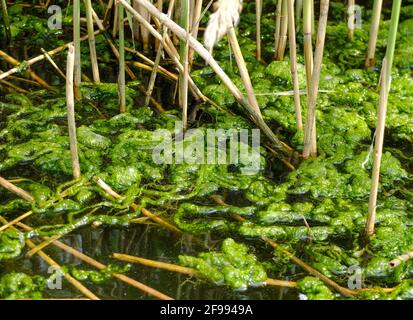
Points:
(270, 227)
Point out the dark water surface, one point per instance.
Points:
(145, 241)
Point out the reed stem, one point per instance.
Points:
(184, 56)
(92, 41)
(308, 43)
(391, 41)
(105, 187)
(17, 63)
(50, 59)
(374, 31)
(121, 79)
(258, 13)
(77, 53)
(310, 137)
(79, 286)
(403, 258)
(189, 271)
(283, 32)
(381, 118)
(203, 52)
(277, 26)
(293, 64)
(378, 151)
(15, 221)
(158, 57)
(155, 264)
(195, 26)
(16, 190)
(298, 13)
(99, 265)
(39, 58)
(70, 103)
(243, 70)
(351, 18)
(144, 31)
(314, 272)
(6, 20)
(107, 12)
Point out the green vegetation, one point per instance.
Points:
(317, 211)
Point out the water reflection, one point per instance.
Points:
(144, 241)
